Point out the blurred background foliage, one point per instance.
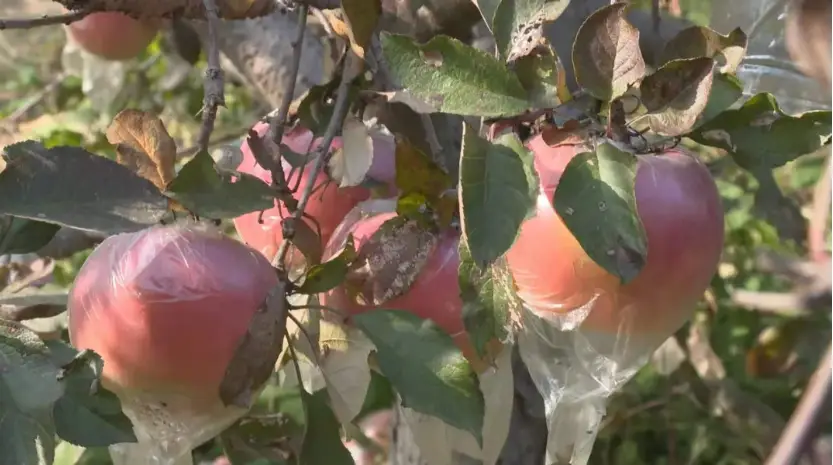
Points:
(671, 413)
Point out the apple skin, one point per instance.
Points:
(680, 208)
(165, 308)
(328, 204)
(112, 35)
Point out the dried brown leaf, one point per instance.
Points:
(144, 145)
(258, 350)
(390, 260)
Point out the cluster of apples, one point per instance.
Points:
(165, 306)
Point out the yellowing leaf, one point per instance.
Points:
(343, 362)
(144, 145)
(349, 165)
(417, 173)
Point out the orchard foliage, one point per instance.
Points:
(406, 227)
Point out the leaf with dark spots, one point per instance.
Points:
(517, 25)
(390, 260)
(595, 198)
(488, 296)
(676, 94)
(700, 41)
(72, 187)
(257, 351)
(606, 54)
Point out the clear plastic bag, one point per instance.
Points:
(165, 308)
(582, 332)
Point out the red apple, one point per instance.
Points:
(328, 204)
(113, 35)
(434, 294)
(679, 205)
(165, 308)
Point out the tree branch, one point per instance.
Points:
(43, 20)
(798, 434)
(339, 112)
(213, 82)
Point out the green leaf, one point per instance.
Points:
(759, 135)
(330, 274)
(498, 190)
(698, 41)
(487, 298)
(277, 427)
(29, 387)
(726, 90)
(606, 54)
(207, 192)
(259, 437)
(87, 414)
(19, 235)
(595, 199)
(426, 368)
(676, 94)
(517, 24)
(72, 187)
(317, 106)
(322, 441)
(543, 76)
(452, 77)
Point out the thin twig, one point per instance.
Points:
(278, 123)
(43, 20)
(34, 100)
(820, 214)
(799, 431)
(339, 112)
(655, 16)
(213, 80)
(219, 140)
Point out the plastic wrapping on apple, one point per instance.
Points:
(165, 308)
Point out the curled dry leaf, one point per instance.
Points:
(349, 165)
(186, 9)
(144, 145)
(606, 54)
(343, 362)
(676, 94)
(254, 359)
(390, 260)
(699, 41)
